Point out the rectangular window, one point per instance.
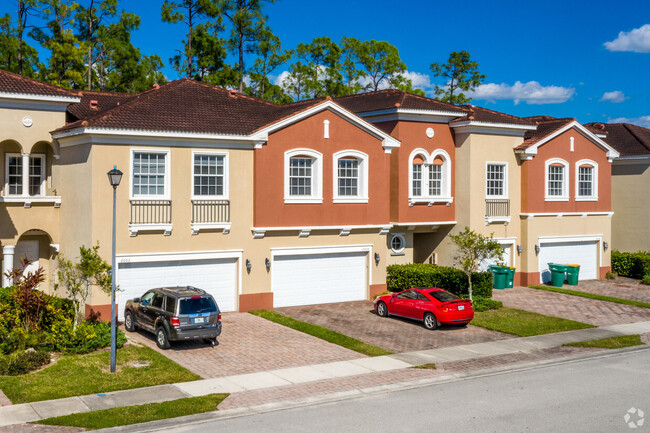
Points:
(417, 180)
(149, 174)
(209, 175)
(300, 176)
(435, 180)
(36, 174)
(585, 181)
(15, 175)
(556, 181)
(495, 180)
(348, 174)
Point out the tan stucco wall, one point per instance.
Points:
(44, 217)
(631, 206)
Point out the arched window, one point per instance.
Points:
(586, 180)
(429, 176)
(303, 176)
(556, 180)
(350, 177)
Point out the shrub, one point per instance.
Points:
(23, 362)
(402, 277)
(646, 279)
(90, 336)
(484, 304)
(633, 265)
(611, 275)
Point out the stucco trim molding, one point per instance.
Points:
(197, 227)
(27, 101)
(559, 215)
(134, 229)
(28, 200)
(305, 231)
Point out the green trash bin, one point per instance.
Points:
(572, 274)
(500, 277)
(511, 278)
(558, 274)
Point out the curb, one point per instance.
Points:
(346, 395)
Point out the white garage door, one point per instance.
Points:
(485, 264)
(319, 278)
(217, 277)
(579, 253)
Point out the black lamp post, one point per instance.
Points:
(114, 177)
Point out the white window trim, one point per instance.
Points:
(594, 180)
(362, 187)
(445, 196)
(505, 180)
(25, 174)
(400, 251)
(316, 196)
(167, 184)
(226, 182)
(565, 180)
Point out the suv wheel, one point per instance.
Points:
(129, 323)
(161, 338)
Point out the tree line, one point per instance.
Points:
(89, 46)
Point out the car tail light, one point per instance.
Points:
(219, 318)
(445, 310)
(176, 323)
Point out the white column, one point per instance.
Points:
(25, 174)
(7, 263)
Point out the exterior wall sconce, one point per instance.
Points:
(605, 245)
(377, 258)
(519, 249)
(248, 266)
(268, 264)
(536, 249)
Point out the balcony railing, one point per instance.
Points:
(497, 207)
(151, 212)
(210, 211)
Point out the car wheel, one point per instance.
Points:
(161, 338)
(129, 323)
(382, 309)
(430, 321)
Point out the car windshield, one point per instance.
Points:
(443, 296)
(198, 304)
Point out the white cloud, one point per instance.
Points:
(616, 96)
(531, 93)
(641, 121)
(637, 41)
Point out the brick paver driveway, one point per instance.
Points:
(590, 311)
(358, 320)
(621, 287)
(250, 344)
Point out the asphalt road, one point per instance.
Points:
(586, 396)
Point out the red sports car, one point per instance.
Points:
(430, 305)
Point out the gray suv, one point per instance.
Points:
(175, 314)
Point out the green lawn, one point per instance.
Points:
(322, 333)
(592, 296)
(430, 366)
(89, 374)
(137, 414)
(524, 323)
(611, 343)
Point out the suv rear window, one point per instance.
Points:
(196, 305)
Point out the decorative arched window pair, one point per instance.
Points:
(303, 176)
(429, 176)
(557, 180)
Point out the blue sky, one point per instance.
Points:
(546, 57)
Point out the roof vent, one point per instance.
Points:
(397, 105)
(233, 92)
(156, 86)
(93, 104)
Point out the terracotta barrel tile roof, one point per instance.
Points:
(627, 139)
(387, 99)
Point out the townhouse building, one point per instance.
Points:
(268, 205)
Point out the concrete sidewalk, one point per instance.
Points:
(29, 412)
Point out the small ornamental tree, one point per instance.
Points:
(474, 248)
(78, 278)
